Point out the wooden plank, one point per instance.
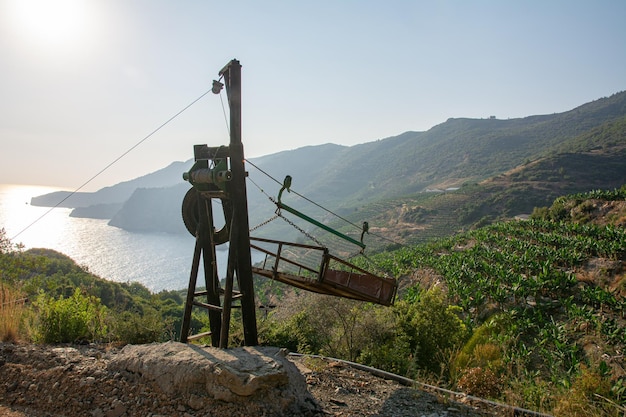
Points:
(199, 336)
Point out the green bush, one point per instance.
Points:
(298, 333)
(134, 328)
(79, 318)
(481, 350)
(432, 327)
(391, 355)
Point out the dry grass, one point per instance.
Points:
(11, 312)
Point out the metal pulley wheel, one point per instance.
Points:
(191, 217)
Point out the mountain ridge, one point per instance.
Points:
(347, 179)
(114, 194)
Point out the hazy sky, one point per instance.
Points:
(82, 81)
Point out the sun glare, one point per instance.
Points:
(49, 24)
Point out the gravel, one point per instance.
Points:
(42, 380)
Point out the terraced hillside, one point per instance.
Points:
(549, 292)
(421, 217)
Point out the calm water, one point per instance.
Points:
(157, 260)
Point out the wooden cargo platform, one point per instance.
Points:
(314, 269)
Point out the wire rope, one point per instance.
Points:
(259, 187)
(505, 408)
(224, 111)
(278, 214)
(129, 150)
(306, 198)
(318, 205)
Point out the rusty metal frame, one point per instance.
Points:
(348, 281)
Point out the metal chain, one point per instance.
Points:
(304, 232)
(307, 234)
(274, 217)
(278, 214)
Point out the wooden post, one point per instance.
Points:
(236, 216)
(204, 249)
(240, 235)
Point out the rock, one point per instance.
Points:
(238, 375)
(90, 380)
(117, 411)
(195, 402)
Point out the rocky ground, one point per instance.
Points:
(38, 380)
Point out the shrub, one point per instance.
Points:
(134, 328)
(480, 350)
(298, 333)
(79, 318)
(432, 327)
(391, 355)
(527, 390)
(582, 399)
(480, 382)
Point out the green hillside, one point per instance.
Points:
(502, 169)
(460, 151)
(529, 313)
(541, 304)
(513, 193)
(549, 292)
(500, 159)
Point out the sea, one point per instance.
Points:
(159, 261)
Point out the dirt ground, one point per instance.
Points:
(38, 380)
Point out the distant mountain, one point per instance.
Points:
(116, 194)
(152, 209)
(494, 162)
(455, 152)
(421, 217)
(97, 211)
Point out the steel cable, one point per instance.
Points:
(111, 164)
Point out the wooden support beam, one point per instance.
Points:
(240, 241)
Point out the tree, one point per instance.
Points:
(5, 243)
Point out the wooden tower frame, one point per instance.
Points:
(234, 197)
